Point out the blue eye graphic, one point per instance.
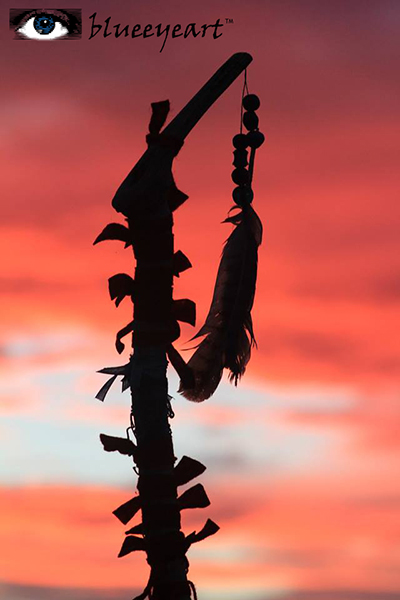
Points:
(44, 27)
(46, 24)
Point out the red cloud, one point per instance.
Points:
(300, 535)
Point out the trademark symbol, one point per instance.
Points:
(228, 21)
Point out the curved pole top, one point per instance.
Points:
(189, 116)
(157, 159)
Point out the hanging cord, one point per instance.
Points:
(133, 430)
(170, 411)
(193, 590)
(245, 90)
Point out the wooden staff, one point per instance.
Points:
(147, 197)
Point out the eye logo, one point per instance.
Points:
(46, 24)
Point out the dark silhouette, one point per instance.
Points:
(147, 198)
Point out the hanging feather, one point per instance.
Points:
(228, 327)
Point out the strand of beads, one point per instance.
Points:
(242, 176)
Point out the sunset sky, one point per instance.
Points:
(303, 456)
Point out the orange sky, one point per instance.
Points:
(303, 457)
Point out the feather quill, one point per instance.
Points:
(228, 327)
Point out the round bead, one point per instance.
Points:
(240, 140)
(251, 102)
(240, 176)
(250, 120)
(255, 139)
(240, 159)
(242, 195)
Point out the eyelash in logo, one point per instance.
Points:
(46, 23)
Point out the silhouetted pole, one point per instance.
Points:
(147, 198)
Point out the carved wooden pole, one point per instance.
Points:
(147, 198)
